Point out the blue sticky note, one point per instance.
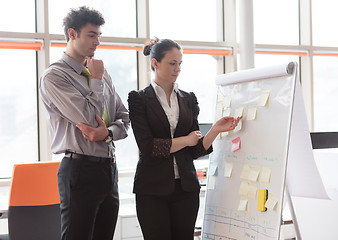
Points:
(213, 168)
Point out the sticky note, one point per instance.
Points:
(245, 172)
(252, 111)
(213, 169)
(220, 98)
(263, 99)
(271, 202)
(244, 188)
(262, 196)
(243, 203)
(253, 175)
(236, 144)
(265, 175)
(226, 112)
(227, 101)
(239, 126)
(252, 191)
(222, 134)
(211, 182)
(228, 169)
(238, 112)
(219, 111)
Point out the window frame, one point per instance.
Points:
(226, 45)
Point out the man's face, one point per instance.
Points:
(87, 40)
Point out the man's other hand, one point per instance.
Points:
(94, 134)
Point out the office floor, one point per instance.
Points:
(287, 231)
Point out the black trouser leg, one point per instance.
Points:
(89, 198)
(169, 217)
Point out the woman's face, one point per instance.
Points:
(170, 66)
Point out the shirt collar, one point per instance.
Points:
(78, 67)
(157, 87)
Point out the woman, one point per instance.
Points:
(164, 121)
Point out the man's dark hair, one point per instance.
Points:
(77, 18)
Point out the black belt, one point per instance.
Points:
(109, 160)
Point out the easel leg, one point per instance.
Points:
(293, 215)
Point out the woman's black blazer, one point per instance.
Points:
(155, 169)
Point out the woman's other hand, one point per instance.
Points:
(193, 137)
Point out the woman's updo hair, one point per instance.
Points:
(157, 48)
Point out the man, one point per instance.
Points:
(85, 115)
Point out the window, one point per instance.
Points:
(276, 22)
(324, 21)
(18, 109)
(325, 87)
(262, 60)
(121, 65)
(198, 75)
(183, 20)
(120, 16)
(195, 24)
(18, 16)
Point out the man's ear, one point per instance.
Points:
(72, 33)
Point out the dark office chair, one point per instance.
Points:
(322, 140)
(34, 204)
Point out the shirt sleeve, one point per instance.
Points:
(120, 125)
(66, 99)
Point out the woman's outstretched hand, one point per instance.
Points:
(225, 124)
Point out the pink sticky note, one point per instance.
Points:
(236, 144)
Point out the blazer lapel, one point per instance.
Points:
(184, 111)
(156, 108)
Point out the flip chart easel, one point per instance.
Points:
(255, 155)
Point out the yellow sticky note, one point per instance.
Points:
(243, 203)
(252, 111)
(228, 169)
(263, 99)
(239, 126)
(253, 175)
(262, 196)
(227, 101)
(271, 202)
(226, 112)
(218, 115)
(238, 112)
(222, 134)
(220, 98)
(244, 188)
(265, 175)
(219, 111)
(245, 172)
(252, 191)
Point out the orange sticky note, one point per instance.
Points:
(236, 144)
